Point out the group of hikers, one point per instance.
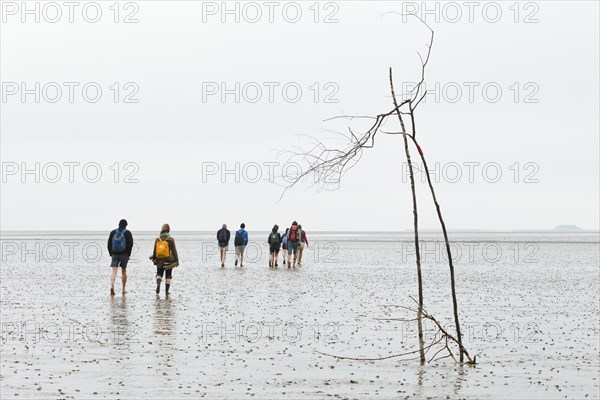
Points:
(292, 242)
(165, 257)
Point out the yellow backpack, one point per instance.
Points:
(162, 249)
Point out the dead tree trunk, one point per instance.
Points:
(416, 227)
(448, 252)
(331, 163)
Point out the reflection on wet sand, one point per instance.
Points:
(460, 378)
(201, 342)
(454, 379)
(163, 316)
(420, 379)
(120, 328)
(164, 340)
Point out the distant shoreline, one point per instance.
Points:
(489, 231)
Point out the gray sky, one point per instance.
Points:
(173, 144)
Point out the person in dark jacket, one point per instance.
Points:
(120, 244)
(274, 241)
(165, 257)
(223, 236)
(240, 241)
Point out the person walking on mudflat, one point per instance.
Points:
(274, 241)
(165, 257)
(293, 241)
(284, 244)
(223, 236)
(303, 242)
(120, 244)
(240, 242)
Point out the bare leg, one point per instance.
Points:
(113, 277)
(124, 278)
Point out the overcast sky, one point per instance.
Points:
(513, 90)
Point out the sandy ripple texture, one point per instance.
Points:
(530, 314)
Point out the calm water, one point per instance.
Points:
(529, 304)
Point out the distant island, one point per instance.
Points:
(568, 228)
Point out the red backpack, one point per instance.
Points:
(294, 234)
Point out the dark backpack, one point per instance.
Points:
(239, 239)
(275, 239)
(293, 236)
(223, 236)
(119, 243)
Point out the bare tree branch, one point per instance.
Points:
(328, 165)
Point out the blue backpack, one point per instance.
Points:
(239, 238)
(119, 243)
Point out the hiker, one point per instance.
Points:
(303, 241)
(293, 240)
(120, 243)
(165, 257)
(274, 241)
(240, 242)
(284, 244)
(223, 236)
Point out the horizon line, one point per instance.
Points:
(328, 231)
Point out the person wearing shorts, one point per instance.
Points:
(223, 236)
(274, 241)
(120, 244)
(240, 242)
(303, 242)
(293, 240)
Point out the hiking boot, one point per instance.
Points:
(235, 263)
(283, 261)
(276, 265)
(112, 291)
(222, 265)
